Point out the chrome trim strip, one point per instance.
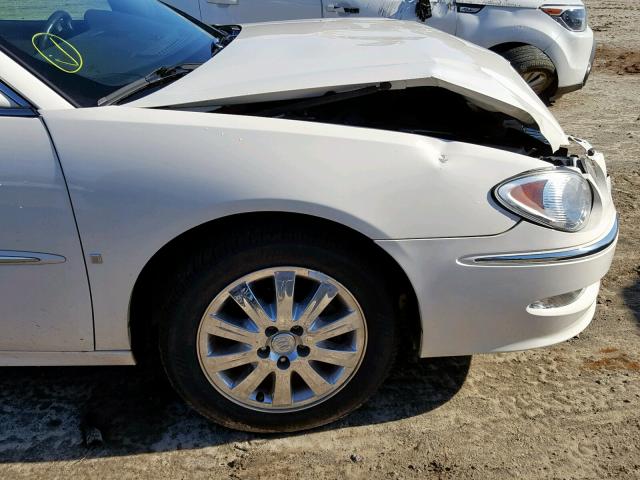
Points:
(555, 256)
(8, 257)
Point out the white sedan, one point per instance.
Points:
(272, 211)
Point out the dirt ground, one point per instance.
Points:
(571, 411)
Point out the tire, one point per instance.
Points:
(535, 67)
(200, 285)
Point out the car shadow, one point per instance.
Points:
(66, 413)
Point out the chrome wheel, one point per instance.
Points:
(281, 339)
(538, 80)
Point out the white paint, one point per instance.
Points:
(523, 3)
(502, 21)
(370, 51)
(139, 177)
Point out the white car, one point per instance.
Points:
(548, 42)
(259, 222)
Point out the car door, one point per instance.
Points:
(443, 12)
(44, 292)
(225, 12)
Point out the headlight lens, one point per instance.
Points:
(572, 18)
(559, 199)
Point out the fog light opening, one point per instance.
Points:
(557, 301)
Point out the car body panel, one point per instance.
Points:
(154, 191)
(44, 300)
(347, 54)
(140, 175)
(500, 22)
(26, 84)
(570, 54)
(443, 13)
(229, 11)
(493, 26)
(523, 3)
(475, 320)
(535, 29)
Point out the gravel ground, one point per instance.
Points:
(571, 411)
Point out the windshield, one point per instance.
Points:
(88, 49)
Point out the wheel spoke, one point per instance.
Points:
(537, 80)
(215, 326)
(282, 389)
(321, 298)
(343, 358)
(218, 363)
(244, 297)
(346, 324)
(249, 384)
(285, 283)
(281, 339)
(313, 379)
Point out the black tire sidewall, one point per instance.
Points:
(527, 58)
(179, 327)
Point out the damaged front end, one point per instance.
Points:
(374, 73)
(430, 111)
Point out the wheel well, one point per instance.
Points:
(503, 47)
(157, 272)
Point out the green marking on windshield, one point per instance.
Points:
(61, 54)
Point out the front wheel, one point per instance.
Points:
(534, 67)
(278, 336)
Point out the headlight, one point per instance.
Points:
(560, 198)
(572, 18)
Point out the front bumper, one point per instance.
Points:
(572, 88)
(471, 308)
(573, 54)
(474, 293)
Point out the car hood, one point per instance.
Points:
(288, 60)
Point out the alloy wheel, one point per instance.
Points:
(281, 339)
(538, 80)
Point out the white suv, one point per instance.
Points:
(549, 43)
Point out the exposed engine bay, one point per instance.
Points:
(430, 111)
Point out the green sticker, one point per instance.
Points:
(64, 57)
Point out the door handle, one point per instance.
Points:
(342, 9)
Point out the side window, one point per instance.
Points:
(31, 10)
(6, 102)
(12, 104)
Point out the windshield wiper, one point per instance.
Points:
(156, 77)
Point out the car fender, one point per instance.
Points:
(139, 178)
(520, 3)
(494, 26)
